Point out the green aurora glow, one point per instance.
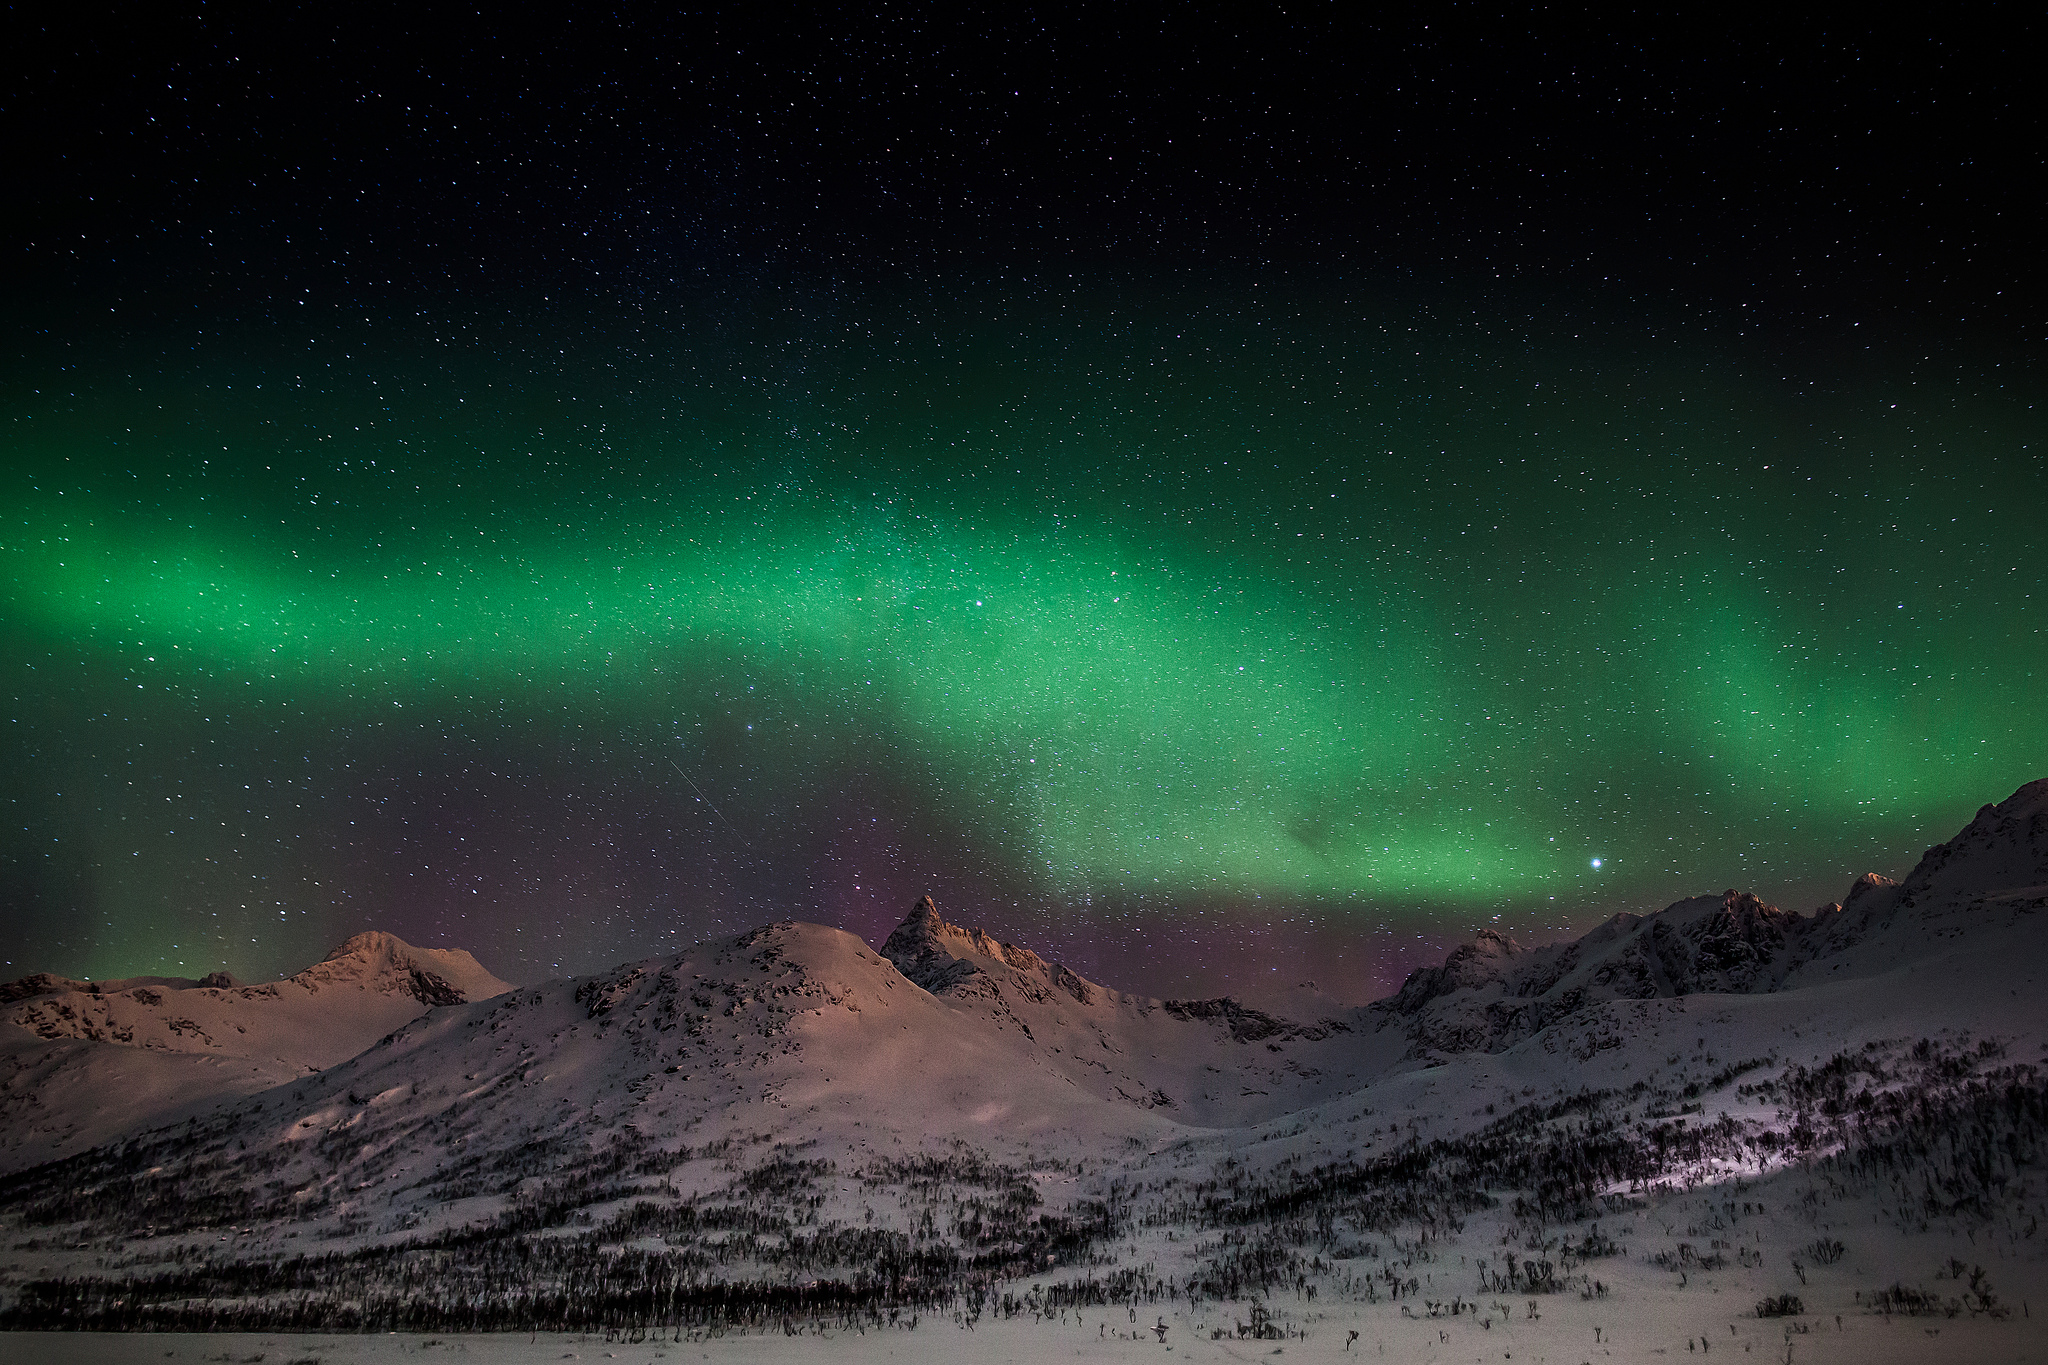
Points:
(1393, 618)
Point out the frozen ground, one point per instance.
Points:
(1642, 1323)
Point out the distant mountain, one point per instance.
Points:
(945, 1029)
(795, 1033)
(1491, 994)
(83, 1062)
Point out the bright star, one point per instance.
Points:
(1596, 862)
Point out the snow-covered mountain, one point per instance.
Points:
(792, 1033)
(1208, 1062)
(85, 1062)
(791, 1108)
(1975, 891)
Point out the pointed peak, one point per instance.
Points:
(919, 931)
(1747, 907)
(1864, 887)
(925, 943)
(1493, 943)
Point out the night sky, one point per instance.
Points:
(1224, 501)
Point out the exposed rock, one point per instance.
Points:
(1248, 1025)
(1474, 964)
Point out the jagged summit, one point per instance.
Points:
(1492, 993)
(1866, 890)
(1155, 1053)
(924, 944)
(1473, 964)
(924, 931)
(946, 959)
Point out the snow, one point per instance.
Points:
(1650, 1326)
(797, 1077)
(87, 1062)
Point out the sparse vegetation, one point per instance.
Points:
(595, 1238)
(1826, 1251)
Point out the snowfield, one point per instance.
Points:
(1721, 1127)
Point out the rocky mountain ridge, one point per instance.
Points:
(793, 1024)
(1490, 994)
(84, 1061)
(172, 1014)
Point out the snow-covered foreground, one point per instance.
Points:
(1639, 1320)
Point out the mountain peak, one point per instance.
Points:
(946, 959)
(2005, 846)
(924, 935)
(369, 946)
(924, 924)
(387, 963)
(2030, 799)
(1471, 965)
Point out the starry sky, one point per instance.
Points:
(1227, 500)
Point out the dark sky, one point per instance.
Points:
(1233, 497)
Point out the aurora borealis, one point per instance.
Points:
(1188, 614)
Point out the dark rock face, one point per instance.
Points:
(430, 989)
(1485, 959)
(1248, 1025)
(1083, 991)
(925, 945)
(1734, 948)
(42, 983)
(917, 947)
(941, 958)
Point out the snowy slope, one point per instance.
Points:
(792, 1033)
(84, 1062)
(1207, 1062)
(792, 1107)
(1981, 888)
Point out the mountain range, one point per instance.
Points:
(794, 1105)
(86, 1062)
